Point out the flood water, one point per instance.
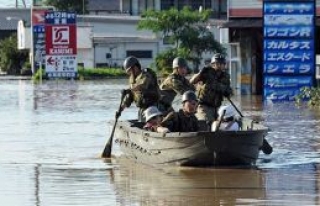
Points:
(52, 134)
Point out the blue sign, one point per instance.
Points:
(289, 56)
(289, 32)
(288, 44)
(289, 8)
(290, 68)
(38, 29)
(280, 82)
(281, 94)
(287, 20)
(60, 17)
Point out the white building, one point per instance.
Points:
(107, 40)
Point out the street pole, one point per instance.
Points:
(82, 7)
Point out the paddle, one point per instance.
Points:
(107, 149)
(266, 147)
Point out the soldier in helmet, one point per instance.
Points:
(174, 84)
(214, 85)
(144, 90)
(184, 120)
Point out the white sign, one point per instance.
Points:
(61, 65)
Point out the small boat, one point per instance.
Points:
(203, 148)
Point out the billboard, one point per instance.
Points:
(61, 44)
(38, 37)
(288, 45)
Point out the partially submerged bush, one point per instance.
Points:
(88, 74)
(100, 73)
(309, 94)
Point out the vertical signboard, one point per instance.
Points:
(38, 37)
(289, 53)
(61, 44)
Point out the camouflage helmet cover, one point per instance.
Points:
(179, 62)
(218, 58)
(130, 62)
(189, 95)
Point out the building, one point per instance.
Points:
(107, 36)
(245, 27)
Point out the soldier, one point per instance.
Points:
(144, 90)
(174, 84)
(184, 120)
(214, 85)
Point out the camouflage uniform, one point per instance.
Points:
(180, 122)
(215, 85)
(147, 95)
(174, 84)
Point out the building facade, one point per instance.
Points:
(245, 27)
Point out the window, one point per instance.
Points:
(140, 53)
(219, 8)
(193, 4)
(167, 4)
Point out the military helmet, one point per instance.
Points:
(189, 95)
(130, 62)
(179, 62)
(218, 58)
(229, 111)
(151, 112)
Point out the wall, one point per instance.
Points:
(245, 8)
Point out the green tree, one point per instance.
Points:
(11, 59)
(78, 6)
(185, 29)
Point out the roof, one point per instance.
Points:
(103, 5)
(95, 18)
(9, 17)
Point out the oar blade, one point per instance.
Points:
(107, 151)
(266, 147)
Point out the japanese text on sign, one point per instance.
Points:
(289, 8)
(279, 44)
(289, 31)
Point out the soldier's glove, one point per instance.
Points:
(124, 92)
(204, 70)
(226, 91)
(118, 114)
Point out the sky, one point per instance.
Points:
(12, 3)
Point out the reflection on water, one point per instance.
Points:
(52, 134)
(141, 185)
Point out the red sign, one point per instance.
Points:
(61, 39)
(37, 15)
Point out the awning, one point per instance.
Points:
(243, 23)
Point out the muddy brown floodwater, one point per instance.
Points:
(52, 134)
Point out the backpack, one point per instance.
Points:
(150, 97)
(153, 74)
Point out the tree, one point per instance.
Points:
(80, 7)
(11, 59)
(185, 29)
